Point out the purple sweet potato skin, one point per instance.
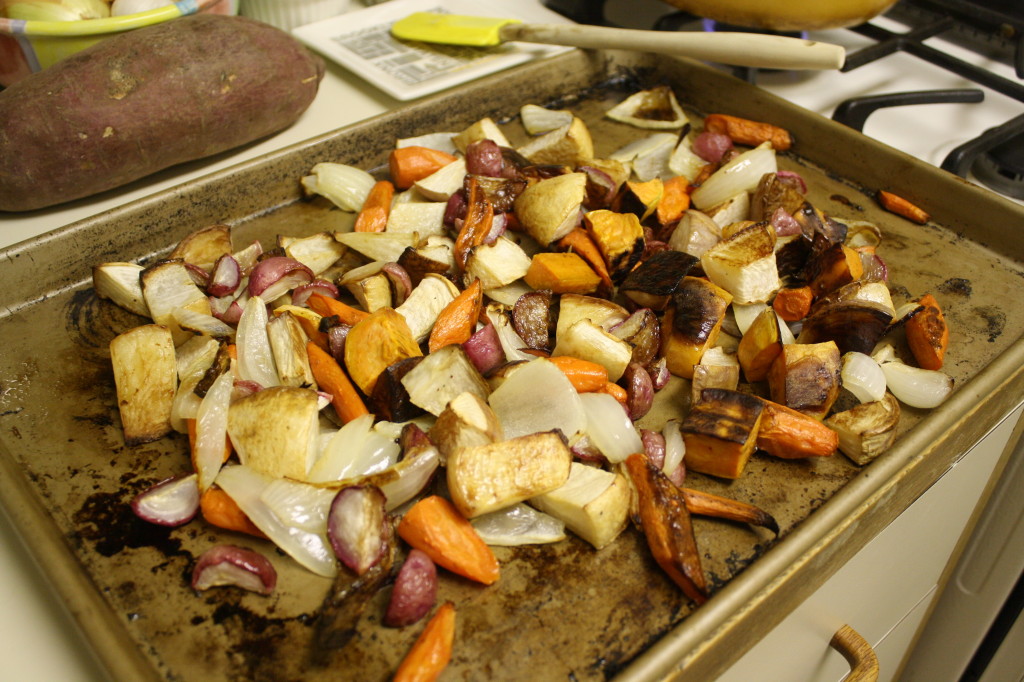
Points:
(145, 100)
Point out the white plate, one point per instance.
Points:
(361, 42)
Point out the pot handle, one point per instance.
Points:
(858, 653)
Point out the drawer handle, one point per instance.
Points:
(858, 653)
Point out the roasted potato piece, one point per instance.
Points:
(805, 377)
(485, 478)
(720, 432)
(146, 376)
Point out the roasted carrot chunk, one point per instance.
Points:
(409, 165)
(788, 434)
(708, 504)
(219, 509)
(793, 303)
(433, 525)
(330, 377)
(477, 224)
(927, 334)
(900, 206)
(584, 375)
(674, 201)
(326, 306)
(457, 321)
(615, 391)
(373, 216)
(748, 132)
(432, 650)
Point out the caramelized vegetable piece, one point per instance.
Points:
(579, 242)
(410, 164)
(561, 273)
(674, 201)
(434, 526)
(456, 322)
(666, 524)
(373, 216)
(900, 206)
(376, 343)
(708, 504)
(642, 198)
(432, 650)
(477, 224)
(789, 434)
(692, 323)
(832, 268)
(748, 132)
(927, 334)
(415, 591)
(532, 317)
(720, 432)
(805, 377)
(793, 303)
(328, 307)
(583, 375)
(760, 345)
(331, 378)
(652, 283)
(619, 238)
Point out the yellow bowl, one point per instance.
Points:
(30, 46)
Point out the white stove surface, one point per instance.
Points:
(41, 641)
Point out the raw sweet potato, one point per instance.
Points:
(145, 100)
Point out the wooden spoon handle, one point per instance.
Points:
(739, 49)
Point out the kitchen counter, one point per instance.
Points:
(41, 639)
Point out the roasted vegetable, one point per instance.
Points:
(593, 503)
(652, 283)
(145, 375)
(720, 432)
(867, 430)
(806, 377)
(619, 238)
(692, 323)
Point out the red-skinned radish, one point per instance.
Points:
(358, 527)
(415, 590)
(230, 565)
(172, 502)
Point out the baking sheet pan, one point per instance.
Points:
(559, 612)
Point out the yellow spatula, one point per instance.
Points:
(740, 49)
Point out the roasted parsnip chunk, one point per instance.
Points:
(443, 183)
(720, 432)
(467, 421)
(549, 209)
(497, 264)
(146, 376)
(441, 376)
(867, 430)
(805, 376)
(569, 145)
(386, 247)
(485, 478)
(376, 342)
(692, 323)
(119, 282)
(593, 503)
(275, 431)
(744, 264)
(484, 129)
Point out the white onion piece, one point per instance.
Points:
(740, 174)
(207, 325)
(519, 524)
(311, 550)
(255, 358)
(539, 397)
(356, 449)
(298, 504)
(609, 427)
(406, 479)
(510, 341)
(786, 334)
(345, 186)
(917, 387)
(172, 502)
(862, 377)
(212, 429)
(675, 447)
(745, 314)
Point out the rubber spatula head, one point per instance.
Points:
(451, 29)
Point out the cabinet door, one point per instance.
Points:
(894, 575)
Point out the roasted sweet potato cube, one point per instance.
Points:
(805, 377)
(619, 238)
(652, 283)
(760, 345)
(642, 198)
(720, 432)
(562, 273)
(692, 323)
(375, 343)
(832, 268)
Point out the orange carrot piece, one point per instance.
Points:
(794, 303)
(457, 321)
(330, 377)
(409, 165)
(928, 334)
(615, 391)
(674, 201)
(900, 206)
(433, 525)
(477, 224)
(219, 509)
(326, 306)
(191, 423)
(748, 132)
(788, 434)
(432, 650)
(584, 375)
(373, 216)
(232, 351)
(579, 240)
